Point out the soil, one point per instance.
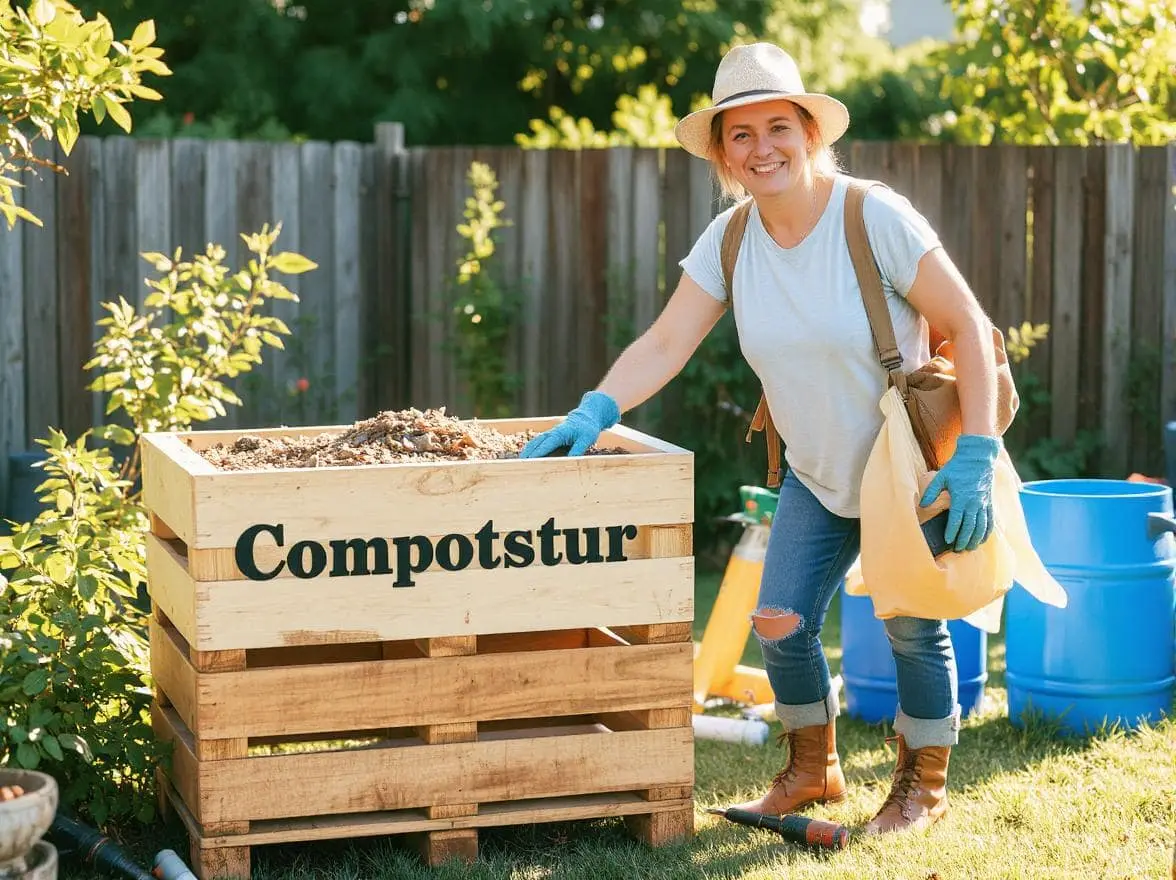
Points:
(401, 436)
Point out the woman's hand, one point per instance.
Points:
(967, 478)
(596, 413)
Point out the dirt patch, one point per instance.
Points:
(408, 435)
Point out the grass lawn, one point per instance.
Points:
(1024, 804)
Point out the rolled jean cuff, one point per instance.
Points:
(922, 732)
(796, 716)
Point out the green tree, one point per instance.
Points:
(1040, 72)
(54, 65)
(452, 71)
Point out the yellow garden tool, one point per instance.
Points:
(717, 670)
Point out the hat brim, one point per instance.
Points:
(693, 131)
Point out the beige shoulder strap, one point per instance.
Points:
(732, 239)
(870, 281)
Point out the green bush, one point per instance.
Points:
(74, 671)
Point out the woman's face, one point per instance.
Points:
(765, 146)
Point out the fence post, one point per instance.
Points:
(388, 339)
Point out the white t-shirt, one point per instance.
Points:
(804, 331)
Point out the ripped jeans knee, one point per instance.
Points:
(775, 624)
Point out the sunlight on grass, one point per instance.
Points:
(1025, 803)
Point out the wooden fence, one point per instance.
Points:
(1081, 238)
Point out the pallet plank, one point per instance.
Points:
(240, 613)
(292, 700)
(326, 783)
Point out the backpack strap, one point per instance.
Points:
(870, 282)
(732, 239)
(762, 419)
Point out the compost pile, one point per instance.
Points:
(408, 435)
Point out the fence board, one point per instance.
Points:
(389, 345)
(281, 368)
(187, 196)
(986, 239)
(561, 330)
(1065, 328)
(420, 349)
(1090, 363)
(73, 287)
(457, 394)
(927, 193)
(220, 218)
(900, 164)
(317, 314)
(591, 290)
(647, 215)
(676, 200)
(1147, 301)
(1012, 271)
(1169, 288)
(533, 254)
(622, 329)
(254, 198)
(706, 201)
(956, 233)
(1116, 331)
(96, 169)
(1041, 162)
(42, 365)
(152, 192)
(507, 163)
(368, 257)
(348, 169)
(12, 344)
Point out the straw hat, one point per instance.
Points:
(751, 74)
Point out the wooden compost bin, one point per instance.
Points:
(314, 692)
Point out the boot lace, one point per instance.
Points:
(785, 776)
(905, 777)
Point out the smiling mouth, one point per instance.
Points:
(767, 169)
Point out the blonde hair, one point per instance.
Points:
(821, 159)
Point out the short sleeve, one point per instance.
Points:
(704, 262)
(899, 235)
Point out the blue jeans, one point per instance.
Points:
(808, 554)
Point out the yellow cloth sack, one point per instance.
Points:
(896, 568)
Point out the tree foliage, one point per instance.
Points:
(452, 71)
(1042, 72)
(54, 65)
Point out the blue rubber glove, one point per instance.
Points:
(597, 412)
(967, 477)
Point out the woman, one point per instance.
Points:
(804, 331)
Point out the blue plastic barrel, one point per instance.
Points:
(867, 663)
(1108, 655)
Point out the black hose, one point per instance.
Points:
(93, 847)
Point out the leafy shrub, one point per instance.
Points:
(74, 670)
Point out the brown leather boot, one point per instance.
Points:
(813, 774)
(918, 790)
